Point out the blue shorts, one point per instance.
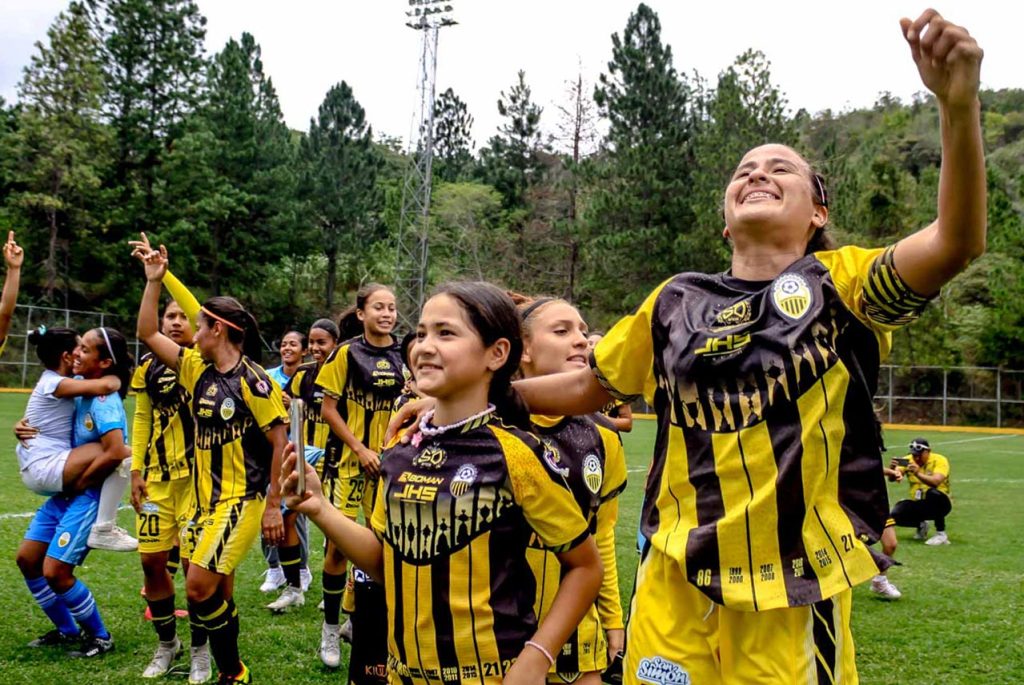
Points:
(64, 522)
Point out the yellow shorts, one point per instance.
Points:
(677, 635)
(349, 495)
(167, 511)
(221, 538)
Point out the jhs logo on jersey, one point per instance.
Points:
(464, 477)
(791, 295)
(430, 458)
(662, 672)
(592, 473)
(227, 409)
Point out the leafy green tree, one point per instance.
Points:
(231, 180)
(59, 146)
(453, 139)
(510, 161)
(639, 196)
(339, 174)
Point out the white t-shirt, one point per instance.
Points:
(53, 417)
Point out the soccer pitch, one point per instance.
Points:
(959, 620)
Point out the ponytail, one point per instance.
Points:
(53, 343)
(493, 315)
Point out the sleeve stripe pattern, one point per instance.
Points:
(887, 299)
(606, 384)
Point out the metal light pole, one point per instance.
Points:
(427, 17)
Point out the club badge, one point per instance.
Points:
(791, 295)
(593, 475)
(227, 409)
(464, 477)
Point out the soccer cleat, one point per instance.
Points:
(92, 646)
(881, 586)
(306, 579)
(345, 632)
(243, 676)
(330, 648)
(166, 653)
(200, 671)
(111, 538)
(939, 538)
(274, 579)
(922, 531)
(290, 597)
(55, 638)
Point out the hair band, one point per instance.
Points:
(109, 348)
(224, 321)
(534, 306)
(821, 190)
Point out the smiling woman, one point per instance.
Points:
(766, 486)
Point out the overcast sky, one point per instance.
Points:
(824, 54)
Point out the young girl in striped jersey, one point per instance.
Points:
(456, 509)
(591, 457)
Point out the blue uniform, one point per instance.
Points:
(64, 521)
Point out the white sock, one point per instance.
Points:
(111, 494)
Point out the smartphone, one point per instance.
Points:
(613, 674)
(297, 433)
(902, 461)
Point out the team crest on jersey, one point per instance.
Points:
(432, 458)
(593, 475)
(734, 314)
(211, 391)
(661, 671)
(64, 539)
(791, 295)
(227, 409)
(383, 364)
(554, 460)
(464, 477)
(88, 422)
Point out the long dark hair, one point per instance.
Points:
(245, 331)
(117, 352)
(53, 343)
(493, 315)
(348, 321)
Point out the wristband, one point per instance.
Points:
(539, 647)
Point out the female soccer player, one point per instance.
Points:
(590, 451)
(57, 539)
(454, 512)
(766, 485)
(360, 379)
(323, 338)
(293, 352)
(240, 433)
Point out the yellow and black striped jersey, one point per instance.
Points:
(232, 412)
(766, 481)
(163, 430)
(589, 453)
(365, 380)
(303, 386)
(455, 514)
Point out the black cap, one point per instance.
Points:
(919, 445)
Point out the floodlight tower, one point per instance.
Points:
(427, 17)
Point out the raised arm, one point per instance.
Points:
(165, 349)
(949, 62)
(14, 256)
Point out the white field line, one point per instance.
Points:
(987, 437)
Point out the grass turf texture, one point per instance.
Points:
(958, 622)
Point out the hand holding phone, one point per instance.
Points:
(297, 432)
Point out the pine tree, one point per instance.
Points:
(59, 147)
(510, 161)
(453, 139)
(339, 174)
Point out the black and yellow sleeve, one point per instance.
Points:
(334, 374)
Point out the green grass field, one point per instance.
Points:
(959, 620)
